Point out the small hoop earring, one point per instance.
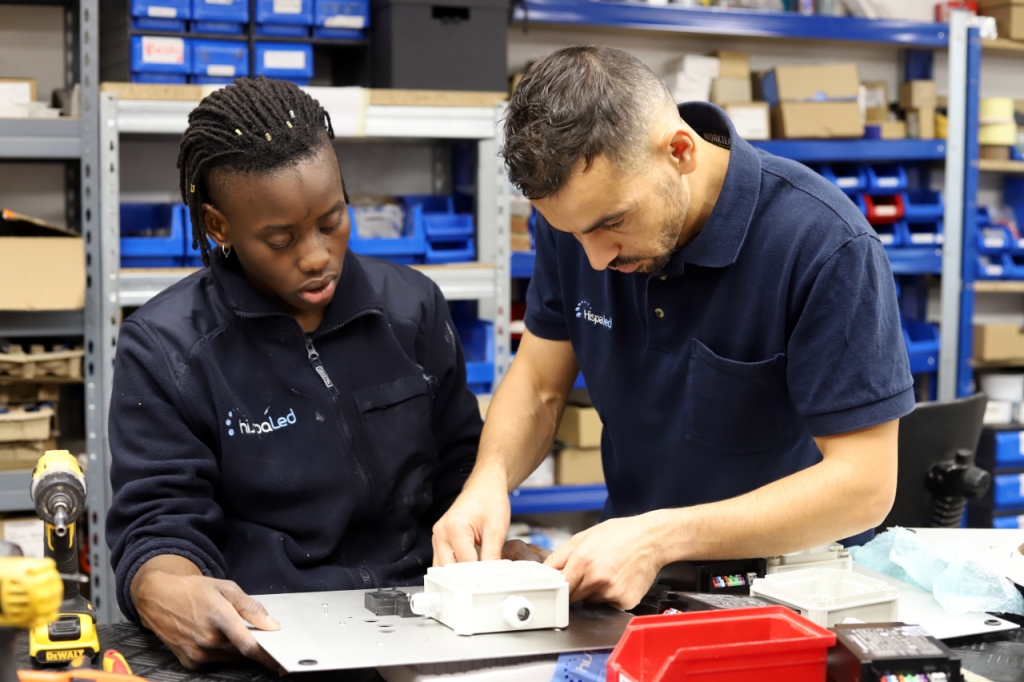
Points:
(225, 249)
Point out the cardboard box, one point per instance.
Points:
(998, 341)
(987, 4)
(918, 95)
(731, 91)
(891, 130)
(543, 476)
(1009, 20)
(19, 424)
(698, 66)
(818, 120)
(579, 466)
(42, 267)
(26, 532)
(22, 456)
(580, 427)
(994, 152)
(17, 90)
(921, 124)
(732, 64)
(811, 83)
(876, 101)
(687, 88)
(752, 120)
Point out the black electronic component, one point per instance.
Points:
(733, 576)
(388, 602)
(880, 652)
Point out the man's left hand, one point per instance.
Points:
(614, 562)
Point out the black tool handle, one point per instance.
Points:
(64, 552)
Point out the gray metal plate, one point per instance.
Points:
(333, 631)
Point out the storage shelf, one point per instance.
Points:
(995, 364)
(458, 282)
(559, 498)
(244, 38)
(915, 260)
(14, 491)
(993, 166)
(40, 138)
(855, 150)
(15, 324)
(1004, 46)
(731, 22)
(522, 264)
(999, 286)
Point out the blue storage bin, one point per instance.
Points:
(284, 12)
(162, 9)
(162, 55)
(153, 24)
(1013, 266)
(892, 234)
(477, 338)
(210, 80)
(1009, 450)
(219, 59)
(922, 206)
(1013, 196)
(1008, 521)
(923, 233)
(221, 11)
(922, 341)
(440, 221)
(849, 177)
(992, 267)
(341, 18)
(994, 240)
(886, 178)
(287, 61)
(161, 78)
(1007, 491)
(407, 249)
(224, 27)
(283, 30)
(457, 251)
(141, 250)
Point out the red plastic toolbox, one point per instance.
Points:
(766, 644)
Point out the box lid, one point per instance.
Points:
(13, 224)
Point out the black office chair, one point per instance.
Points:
(937, 474)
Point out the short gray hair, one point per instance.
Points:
(574, 105)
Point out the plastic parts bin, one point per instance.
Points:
(827, 596)
(220, 16)
(886, 178)
(341, 18)
(220, 58)
(440, 221)
(284, 17)
(160, 15)
(477, 338)
(407, 249)
(161, 55)
(162, 78)
(151, 236)
(292, 62)
(922, 341)
(1008, 521)
(768, 644)
(922, 206)
(457, 251)
(920, 233)
(992, 267)
(883, 209)
(851, 178)
(1009, 449)
(891, 234)
(1007, 491)
(1013, 265)
(994, 240)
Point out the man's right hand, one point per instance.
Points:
(202, 620)
(475, 526)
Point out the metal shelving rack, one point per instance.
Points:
(71, 142)
(487, 280)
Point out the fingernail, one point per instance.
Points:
(273, 621)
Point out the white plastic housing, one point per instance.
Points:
(826, 596)
(494, 596)
(825, 556)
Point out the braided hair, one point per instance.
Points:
(255, 125)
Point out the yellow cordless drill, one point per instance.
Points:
(58, 491)
(30, 595)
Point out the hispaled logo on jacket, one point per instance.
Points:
(268, 424)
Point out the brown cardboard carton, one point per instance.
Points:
(580, 427)
(986, 4)
(1009, 20)
(876, 101)
(731, 91)
(23, 455)
(578, 466)
(803, 82)
(42, 267)
(921, 124)
(918, 95)
(892, 130)
(733, 64)
(994, 152)
(752, 120)
(1001, 341)
(797, 120)
(17, 90)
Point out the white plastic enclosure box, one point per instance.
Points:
(494, 596)
(824, 556)
(826, 596)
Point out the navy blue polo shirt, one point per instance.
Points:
(777, 323)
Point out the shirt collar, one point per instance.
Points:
(719, 242)
(353, 295)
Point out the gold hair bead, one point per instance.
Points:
(239, 132)
(288, 123)
(192, 189)
(268, 136)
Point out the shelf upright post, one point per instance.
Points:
(103, 316)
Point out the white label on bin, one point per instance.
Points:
(287, 6)
(1020, 243)
(345, 21)
(284, 59)
(162, 12)
(886, 238)
(888, 182)
(847, 182)
(163, 50)
(993, 242)
(220, 70)
(885, 210)
(917, 238)
(220, 2)
(1020, 521)
(1020, 445)
(1020, 480)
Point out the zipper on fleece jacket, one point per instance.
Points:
(314, 359)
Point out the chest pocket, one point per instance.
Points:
(397, 417)
(736, 407)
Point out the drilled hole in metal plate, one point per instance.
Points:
(91, 369)
(88, 281)
(95, 539)
(383, 625)
(88, 214)
(369, 620)
(95, 518)
(388, 632)
(993, 622)
(307, 661)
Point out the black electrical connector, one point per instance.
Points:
(952, 483)
(388, 602)
(873, 652)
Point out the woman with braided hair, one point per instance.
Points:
(293, 417)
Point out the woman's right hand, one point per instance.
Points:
(202, 620)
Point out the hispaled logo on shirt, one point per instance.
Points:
(584, 312)
(267, 424)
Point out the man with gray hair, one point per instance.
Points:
(735, 319)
